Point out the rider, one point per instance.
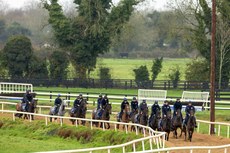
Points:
(134, 104)
(104, 102)
(177, 105)
(155, 107)
(125, 102)
(78, 101)
(27, 98)
(57, 103)
(99, 106)
(165, 109)
(142, 106)
(189, 108)
(99, 102)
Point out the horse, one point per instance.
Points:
(105, 115)
(61, 110)
(143, 116)
(80, 112)
(31, 109)
(133, 118)
(166, 124)
(189, 128)
(177, 123)
(125, 117)
(154, 120)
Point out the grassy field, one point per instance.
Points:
(123, 68)
(30, 137)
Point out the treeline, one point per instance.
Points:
(54, 37)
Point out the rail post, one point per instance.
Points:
(134, 147)
(2, 107)
(228, 131)
(123, 149)
(13, 117)
(219, 130)
(198, 127)
(126, 129)
(46, 118)
(143, 145)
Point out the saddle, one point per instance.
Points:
(73, 110)
(23, 106)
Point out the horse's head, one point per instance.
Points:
(109, 108)
(178, 112)
(191, 112)
(168, 115)
(127, 108)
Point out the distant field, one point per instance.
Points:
(123, 68)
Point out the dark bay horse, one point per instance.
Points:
(166, 125)
(189, 128)
(154, 120)
(143, 116)
(105, 116)
(177, 122)
(133, 118)
(80, 112)
(31, 109)
(61, 110)
(125, 117)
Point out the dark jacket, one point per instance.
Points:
(154, 108)
(27, 98)
(189, 108)
(177, 106)
(104, 102)
(57, 101)
(99, 103)
(165, 109)
(77, 102)
(134, 105)
(143, 105)
(123, 104)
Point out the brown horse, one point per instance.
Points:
(80, 112)
(189, 128)
(125, 117)
(31, 109)
(105, 116)
(177, 123)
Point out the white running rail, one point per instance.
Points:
(6, 87)
(200, 123)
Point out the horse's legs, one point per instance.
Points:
(181, 130)
(108, 126)
(50, 119)
(175, 132)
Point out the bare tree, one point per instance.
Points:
(223, 33)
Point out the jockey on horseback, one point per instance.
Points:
(125, 102)
(27, 98)
(165, 108)
(177, 106)
(134, 105)
(104, 102)
(57, 103)
(78, 101)
(189, 108)
(142, 107)
(154, 108)
(99, 106)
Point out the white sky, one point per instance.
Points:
(153, 4)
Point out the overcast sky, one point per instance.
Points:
(154, 4)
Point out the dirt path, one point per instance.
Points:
(197, 140)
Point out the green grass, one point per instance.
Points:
(123, 68)
(35, 136)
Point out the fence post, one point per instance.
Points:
(165, 84)
(50, 96)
